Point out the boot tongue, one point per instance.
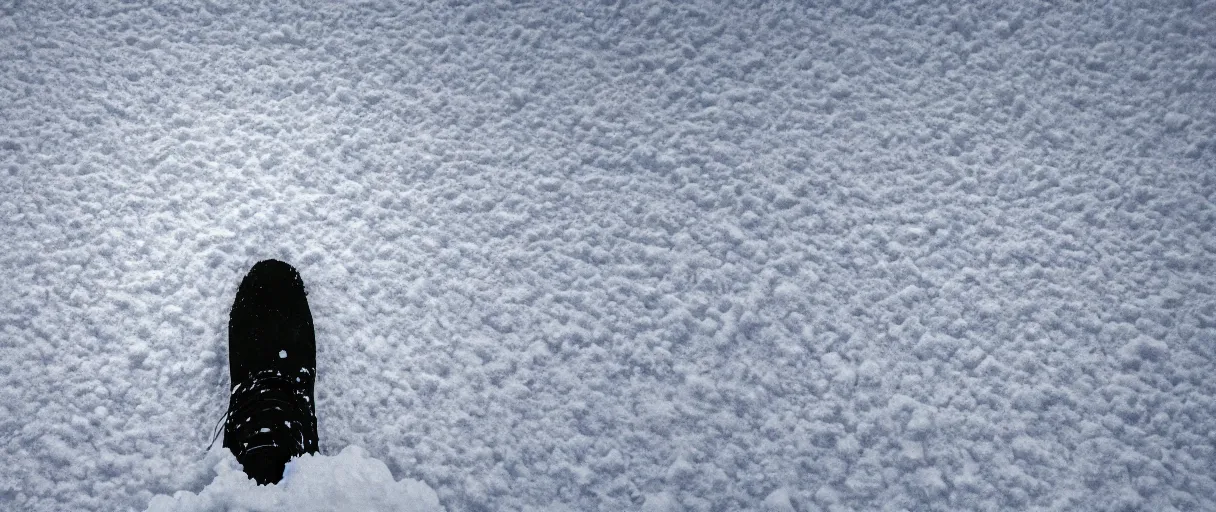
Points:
(267, 466)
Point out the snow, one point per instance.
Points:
(349, 480)
(620, 255)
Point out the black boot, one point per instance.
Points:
(272, 353)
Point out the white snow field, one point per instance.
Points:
(619, 255)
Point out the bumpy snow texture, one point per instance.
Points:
(620, 255)
(347, 481)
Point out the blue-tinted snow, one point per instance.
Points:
(613, 255)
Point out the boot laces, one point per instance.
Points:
(264, 400)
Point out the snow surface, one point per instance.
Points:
(348, 481)
(614, 255)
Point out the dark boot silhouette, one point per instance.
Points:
(272, 353)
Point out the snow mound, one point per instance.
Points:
(348, 481)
